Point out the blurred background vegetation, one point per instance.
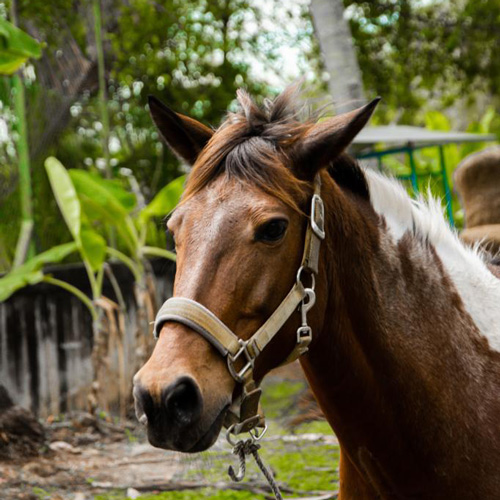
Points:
(434, 62)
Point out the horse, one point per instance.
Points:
(404, 354)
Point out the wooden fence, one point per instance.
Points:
(46, 341)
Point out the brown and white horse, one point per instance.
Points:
(405, 356)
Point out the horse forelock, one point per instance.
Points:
(423, 222)
(253, 146)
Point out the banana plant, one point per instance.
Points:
(106, 203)
(88, 202)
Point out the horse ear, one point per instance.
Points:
(185, 137)
(327, 140)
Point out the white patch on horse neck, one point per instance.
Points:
(476, 285)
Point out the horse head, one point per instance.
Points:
(239, 234)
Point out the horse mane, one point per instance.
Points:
(348, 174)
(425, 222)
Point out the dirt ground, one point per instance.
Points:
(80, 472)
(95, 457)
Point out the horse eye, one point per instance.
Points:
(272, 231)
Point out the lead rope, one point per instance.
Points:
(249, 447)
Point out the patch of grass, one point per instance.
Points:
(206, 494)
(311, 467)
(316, 427)
(130, 436)
(278, 398)
(112, 495)
(40, 493)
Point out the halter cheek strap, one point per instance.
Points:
(244, 414)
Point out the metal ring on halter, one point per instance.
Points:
(254, 436)
(313, 278)
(229, 432)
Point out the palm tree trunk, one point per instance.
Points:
(339, 55)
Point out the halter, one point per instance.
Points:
(245, 415)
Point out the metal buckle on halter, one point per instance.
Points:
(318, 216)
(239, 375)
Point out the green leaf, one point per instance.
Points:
(14, 281)
(434, 120)
(165, 201)
(93, 211)
(30, 272)
(87, 185)
(102, 200)
(51, 256)
(16, 47)
(94, 248)
(487, 119)
(159, 252)
(126, 199)
(15, 40)
(10, 63)
(65, 195)
(133, 266)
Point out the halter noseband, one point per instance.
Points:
(244, 414)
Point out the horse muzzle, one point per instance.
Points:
(174, 419)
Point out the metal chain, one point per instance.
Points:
(244, 448)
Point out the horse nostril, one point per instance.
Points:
(143, 404)
(183, 401)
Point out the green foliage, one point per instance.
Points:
(31, 273)
(109, 208)
(85, 201)
(16, 47)
(66, 196)
(93, 248)
(40, 493)
(90, 204)
(110, 189)
(316, 427)
(427, 55)
(313, 457)
(103, 200)
(277, 398)
(165, 201)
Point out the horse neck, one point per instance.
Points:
(396, 347)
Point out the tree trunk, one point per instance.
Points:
(339, 56)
